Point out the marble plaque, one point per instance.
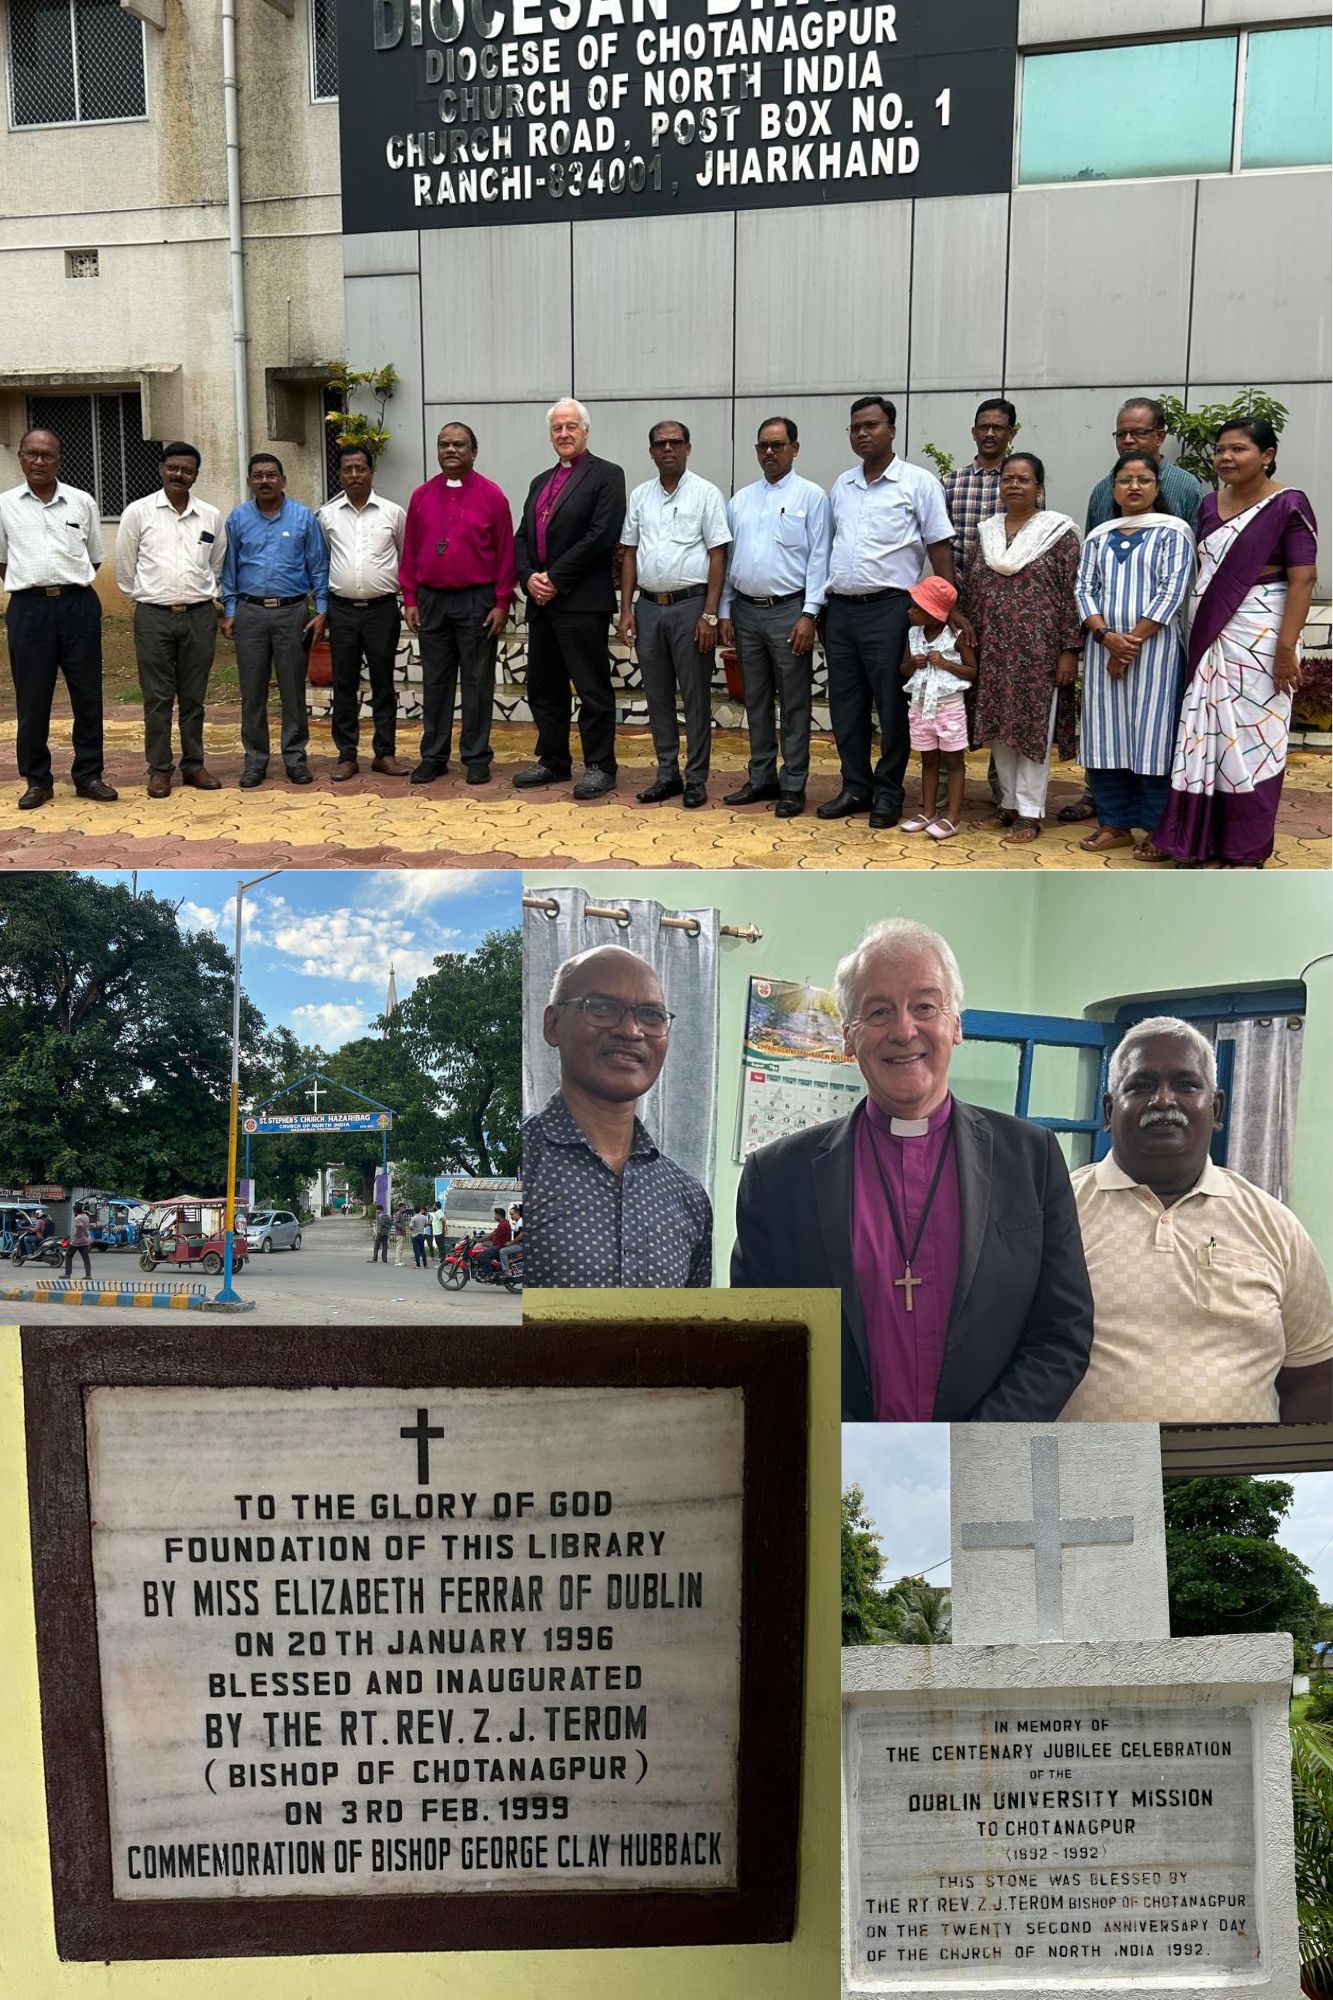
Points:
(1049, 1836)
(361, 1641)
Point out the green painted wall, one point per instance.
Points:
(1067, 943)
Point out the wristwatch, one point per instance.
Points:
(709, 617)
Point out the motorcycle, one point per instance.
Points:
(460, 1266)
(30, 1249)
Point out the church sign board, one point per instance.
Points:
(382, 1642)
(472, 112)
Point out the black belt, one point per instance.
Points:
(675, 596)
(866, 596)
(788, 597)
(188, 604)
(50, 589)
(273, 603)
(364, 603)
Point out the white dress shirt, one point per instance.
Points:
(365, 546)
(49, 541)
(780, 542)
(673, 532)
(882, 528)
(163, 557)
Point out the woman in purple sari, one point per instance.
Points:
(1257, 554)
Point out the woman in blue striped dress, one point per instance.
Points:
(1133, 578)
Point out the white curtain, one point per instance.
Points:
(1263, 1097)
(680, 1111)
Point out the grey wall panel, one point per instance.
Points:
(1304, 452)
(620, 432)
(822, 296)
(822, 421)
(1070, 431)
(653, 306)
(1260, 315)
(499, 302)
(958, 329)
(943, 419)
(384, 325)
(1242, 13)
(512, 441)
(386, 253)
(1091, 20)
(1099, 284)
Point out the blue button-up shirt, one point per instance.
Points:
(274, 555)
(781, 536)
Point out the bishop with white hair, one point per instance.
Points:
(950, 1231)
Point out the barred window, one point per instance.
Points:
(74, 62)
(324, 47)
(102, 446)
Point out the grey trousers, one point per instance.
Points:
(670, 660)
(770, 671)
(269, 642)
(175, 651)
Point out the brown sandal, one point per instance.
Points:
(1105, 838)
(1022, 833)
(1001, 817)
(1148, 850)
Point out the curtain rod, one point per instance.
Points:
(549, 907)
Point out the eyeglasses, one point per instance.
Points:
(765, 449)
(604, 1012)
(41, 457)
(667, 444)
(1136, 435)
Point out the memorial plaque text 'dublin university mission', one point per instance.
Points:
(422, 1642)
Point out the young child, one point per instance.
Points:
(938, 665)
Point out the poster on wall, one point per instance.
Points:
(794, 1070)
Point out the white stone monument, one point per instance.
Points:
(1066, 1801)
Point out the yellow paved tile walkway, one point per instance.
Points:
(380, 822)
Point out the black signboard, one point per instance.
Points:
(456, 113)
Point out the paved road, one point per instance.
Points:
(329, 1281)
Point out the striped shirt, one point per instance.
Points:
(971, 492)
(49, 541)
(1130, 724)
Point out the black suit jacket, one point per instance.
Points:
(1020, 1326)
(581, 534)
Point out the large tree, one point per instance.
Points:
(464, 1022)
(1226, 1570)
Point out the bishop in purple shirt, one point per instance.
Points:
(950, 1231)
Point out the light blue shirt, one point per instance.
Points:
(882, 529)
(781, 534)
(282, 555)
(673, 532)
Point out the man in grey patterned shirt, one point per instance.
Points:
(602, 1205)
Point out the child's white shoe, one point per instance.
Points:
(919, 824)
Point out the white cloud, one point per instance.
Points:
(403, 891)
(329, 1024)
(903, 1470)
(196, 917)
(354, 947)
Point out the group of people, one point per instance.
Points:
(424, 1229)
(980, 1280)
(1182, 607)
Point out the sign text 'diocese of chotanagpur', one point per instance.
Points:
(467, 112)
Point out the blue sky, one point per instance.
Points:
(903, 1469)
(317, 944)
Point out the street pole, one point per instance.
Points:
(229, 1296)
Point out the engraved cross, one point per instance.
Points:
(423, 1431)
(1047, 1535)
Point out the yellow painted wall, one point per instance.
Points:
(807, 1969)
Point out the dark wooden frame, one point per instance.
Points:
(768, 1362)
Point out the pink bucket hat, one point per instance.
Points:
(935, 597)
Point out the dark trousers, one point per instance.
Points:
(269, 642)
(563, 647)
(1125, 798)
(175, 651)
(381, 1250)
(47, 636)
(366, 632)
(455, 649)
(771, 672)
(863, 644)
(419, 1250)
(73, 1250)
(670, 660)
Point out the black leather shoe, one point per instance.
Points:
(595, 783)
(540, 774)
(479, 774)
(250, 777)
(790, 806)
(425, 774)
(36, 795)
(663, 788)
(695, 795)
(751, 795)
(884, 813)
(300, 774)
(843, 806)
(98, 788)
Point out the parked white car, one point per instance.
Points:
(273, 1229)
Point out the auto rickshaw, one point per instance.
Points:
(190, 1230)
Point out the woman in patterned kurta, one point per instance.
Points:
(1019, 595)
(1133, 577)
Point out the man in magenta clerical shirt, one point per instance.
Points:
(457, 578)
(950, 1231)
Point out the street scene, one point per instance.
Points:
(222, 1096)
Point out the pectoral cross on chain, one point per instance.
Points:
(906, 1284)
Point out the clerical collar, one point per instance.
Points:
(909, 1128)
(453, 482)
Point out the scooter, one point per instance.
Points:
(31, 1249)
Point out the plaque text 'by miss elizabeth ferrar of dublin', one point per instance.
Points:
(375, 1640)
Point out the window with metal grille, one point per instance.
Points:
(330, 404)
(74, 62)
(102, 448)
(324, 47)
